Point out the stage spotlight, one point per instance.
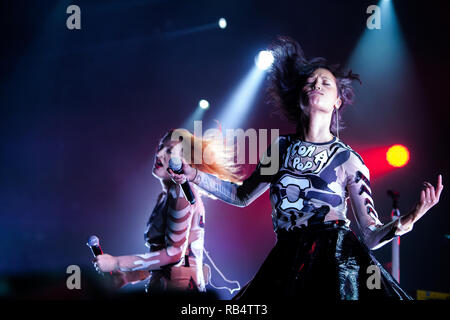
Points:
(204, 104)
(222, 23)
(236, 109)
(397, 155)
(379, 55)
(264, 60)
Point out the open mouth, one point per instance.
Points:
(158, 164)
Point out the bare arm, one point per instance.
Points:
(178, 224)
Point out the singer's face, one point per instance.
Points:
(164, 152)
(320, 92)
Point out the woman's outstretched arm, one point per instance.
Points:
(232, 193)
(239, 195)
(179, 219)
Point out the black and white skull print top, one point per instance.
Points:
(311, 185)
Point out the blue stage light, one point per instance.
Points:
(204, 104)
(264, 60)
(222, 23)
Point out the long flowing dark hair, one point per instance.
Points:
(288, 75)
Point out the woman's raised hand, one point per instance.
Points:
(429, 197)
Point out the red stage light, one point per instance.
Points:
(384, 159)
(397, 155)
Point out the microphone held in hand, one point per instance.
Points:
(176, 165)
(94, 244)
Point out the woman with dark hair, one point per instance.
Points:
(175, 229)
(316, 255)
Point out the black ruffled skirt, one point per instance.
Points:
(326, 262)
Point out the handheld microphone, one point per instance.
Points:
(94, 244)
(176, 165)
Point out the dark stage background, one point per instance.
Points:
(82, 112)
